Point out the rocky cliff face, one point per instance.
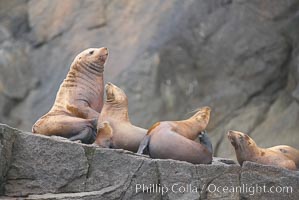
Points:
(39, 167)
(239, 57)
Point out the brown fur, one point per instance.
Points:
(175, 139)
(104, 135)
(123, 134)
(247, 150)
(79, 99)
(189, 128)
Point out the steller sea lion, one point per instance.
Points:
(79, 99)
(175, 139)
(114, 128)
(247, 150)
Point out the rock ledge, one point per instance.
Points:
(39, 167)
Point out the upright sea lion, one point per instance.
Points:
(247, 150)
(79, 99)
(114, 127)
(175, 139)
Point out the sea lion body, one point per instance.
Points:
(167, 144)
(79, 99)
(189, 128)
(247, 150)
(126, 136)
(122, 134)
(175, 139)
(290, 152)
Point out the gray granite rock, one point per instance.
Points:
(40, 167)
(43, 165)
(7, 138)
(268, 182)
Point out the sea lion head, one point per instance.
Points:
(243, 144)
(239, 139)
(97, 56)
(115, 95)
(203, 115)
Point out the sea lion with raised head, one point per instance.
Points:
(79, 99)
(175, 139)
(247, 150)
(114, 128)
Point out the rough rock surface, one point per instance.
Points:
(40, 167)
(239, 57)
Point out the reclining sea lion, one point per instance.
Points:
(175, 139)
(247, 150)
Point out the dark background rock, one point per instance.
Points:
(238, 57)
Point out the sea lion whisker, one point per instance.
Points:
(192, 111)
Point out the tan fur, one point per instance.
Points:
(104, 135)
(189, 128)
(79, 99)
(115, 111)
(175, 139)
(247, 150)
(167, 144)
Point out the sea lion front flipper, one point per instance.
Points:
(205, 140)
(104, 135)
(143, 147)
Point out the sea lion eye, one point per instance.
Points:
(91, 52)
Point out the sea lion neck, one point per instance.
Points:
(116, 111)
(195, 124)
(89, 67)
(188, 128)
(245, 152)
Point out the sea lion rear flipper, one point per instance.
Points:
(143, 147)
(86, 136)
(205, 140)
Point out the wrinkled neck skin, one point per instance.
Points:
(86, 74)
(89, 67)
(246, 152)
(87, 77)
(115, 111)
